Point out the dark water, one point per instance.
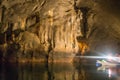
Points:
(58, 71)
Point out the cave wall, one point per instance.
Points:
(38, 29)
(102, 35)
(57, 30)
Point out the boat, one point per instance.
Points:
(106, 63)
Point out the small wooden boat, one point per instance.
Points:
(106, 63)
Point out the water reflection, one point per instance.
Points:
(113, 72)
(58, 71)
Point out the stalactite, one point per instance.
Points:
(9, 32)
(2, 14)
(82, 12)
(84, 30)
(54, 36)
(84, 23)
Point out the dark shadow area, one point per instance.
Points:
(89, 72)
(8, 71)
(56, 71)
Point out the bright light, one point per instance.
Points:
(109, 57)
(109, 73)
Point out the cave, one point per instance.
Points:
(38, 30)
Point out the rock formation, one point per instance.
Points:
(50, 30)
(38, 29)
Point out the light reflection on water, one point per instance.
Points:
(58, 71)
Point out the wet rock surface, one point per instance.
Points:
(46, 30)
(39, 27)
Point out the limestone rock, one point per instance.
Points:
(40, 25)
(52, 29)
(102, 35)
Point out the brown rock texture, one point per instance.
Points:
(38, 29)
(57, 30)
